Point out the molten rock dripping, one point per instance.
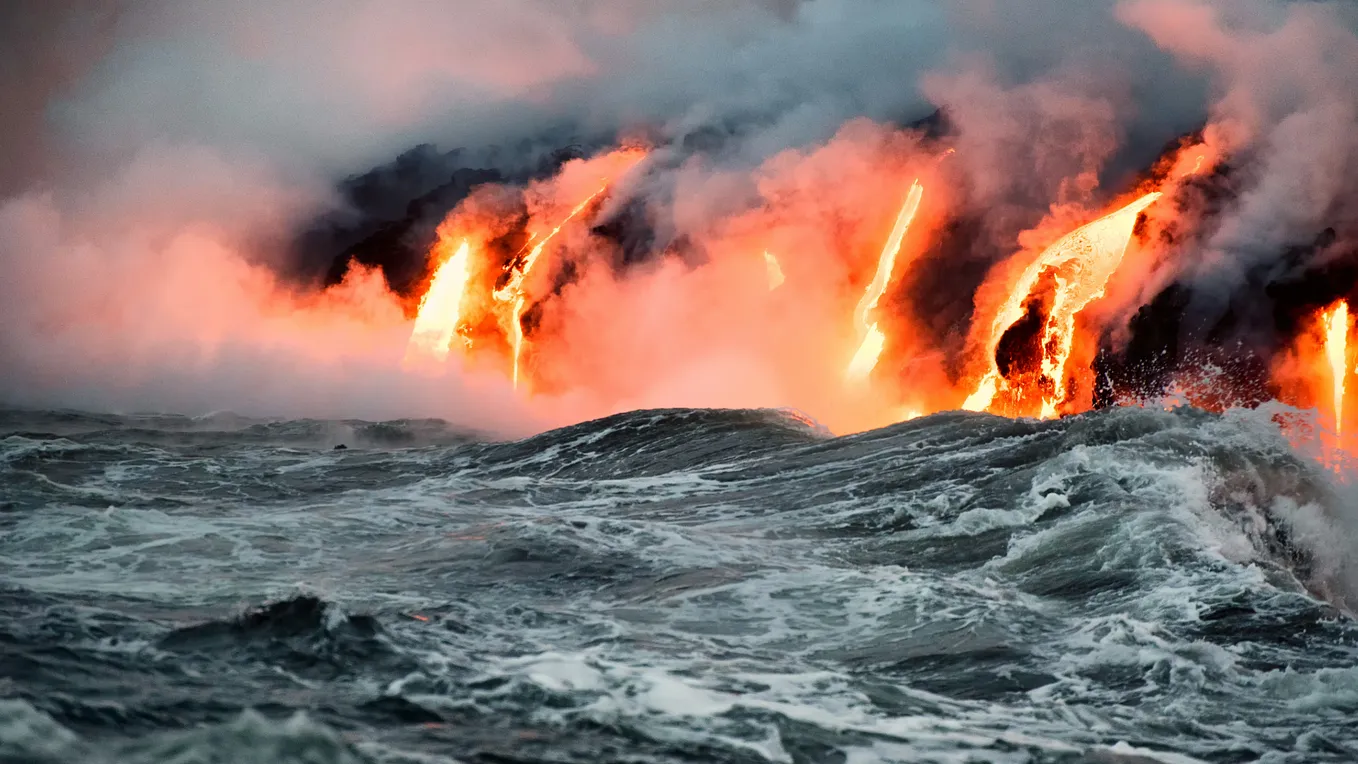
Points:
(514, 295)
(1336, 325)
(775, 271)
(441, 306)
(1081, 263)
(873, 339)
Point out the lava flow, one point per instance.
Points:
(441, 307)
(873, 339)
(775, 271)
(682, 328)
(1081, 263)
(513, 293)
(1336, 324)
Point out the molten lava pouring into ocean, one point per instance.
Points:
(873, 339)
(1336, 323)
(774, 270)
(1081, 263)
(514, 295)
(1334, 326)
(1041, 299)
(440, 308)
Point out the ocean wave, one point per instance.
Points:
(28, 736)
(1125, 585)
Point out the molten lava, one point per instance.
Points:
(1081, 263)
(686, 325)
(775, 271)
(873, 339)
(1335, 322)
(441, 306)
(513, 293)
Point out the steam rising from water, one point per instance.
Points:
(170, 149)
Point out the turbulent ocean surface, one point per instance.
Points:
(1130, 585)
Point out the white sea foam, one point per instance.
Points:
(1057, 607)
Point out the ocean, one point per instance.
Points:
(1125, 586)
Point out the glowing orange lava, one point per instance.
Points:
(685, 329)
(513, 293)
(775, 271)
(906, 414)
(1081, 263)
(1336, 324)
(873, 339)
(441, 306)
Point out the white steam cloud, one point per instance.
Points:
(164, 150)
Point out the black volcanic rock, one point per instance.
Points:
(935, 126)
(391, 212)
(1330, 274)
(1216, 330)
(399, 246)
(1229, 333)
(1142, 369)
(388, 214)
(631, 230)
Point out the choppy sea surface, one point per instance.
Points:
(1126, 586)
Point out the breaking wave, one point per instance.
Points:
(1127, 585)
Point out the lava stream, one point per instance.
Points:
(1082, 262)
(775, 271)
(873, 339)
(513, 292)
(1336, 325)
(441, 306)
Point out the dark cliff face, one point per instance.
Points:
(1229, 321)
(397, 246)
(390, 213)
